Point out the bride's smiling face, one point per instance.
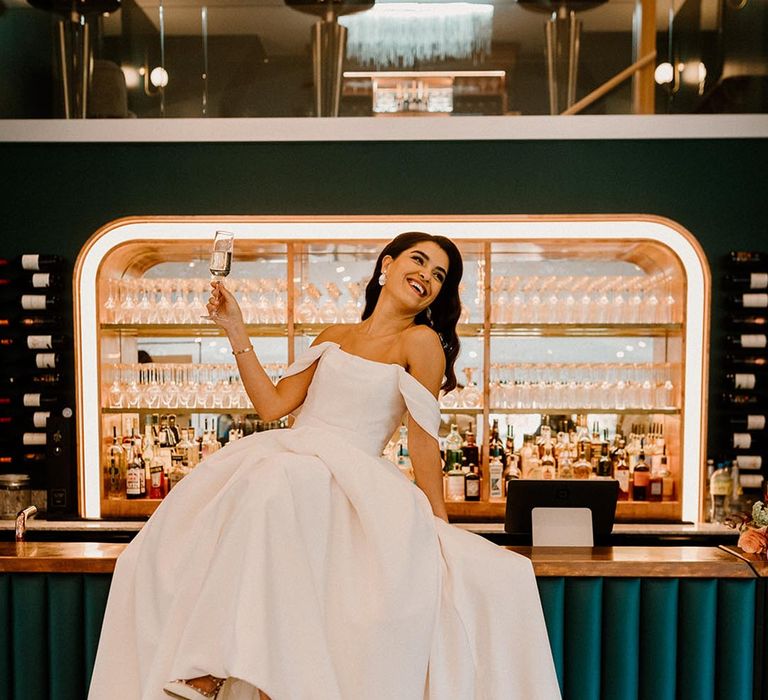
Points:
(416, 276)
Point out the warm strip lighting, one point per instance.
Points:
(403, 34)
(513, 229)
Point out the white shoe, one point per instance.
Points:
(182, 689)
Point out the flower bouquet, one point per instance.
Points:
(753, 538)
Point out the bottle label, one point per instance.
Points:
(742, 441)
(641, 478)
(45, 360)
(455, 487)
(43, 279)
(755, 422)
(755, 301)
(34, 438)
(39, 342)
(753, 341)
(31, 400)
(473, 488)
(749, 461)
(744, 381)
(132, 482)
(720, 487)
(622, 476)
(40, 419)
(33, 302)
(758, 280)
(30, 262)
(656, 487)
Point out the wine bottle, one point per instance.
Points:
(747, 280)
(742, 259)
(28, 439)
(37, 420)
(29, 360)
(41, 302)
(32, 262)
(745, 380)
(741, 400)
(12, 378)
(14, 284)
(753, 461)
(641, 478)
(747, 340)
(747, 323)
(749, 300)
(748, 441)
(752, 421)
(29, 322)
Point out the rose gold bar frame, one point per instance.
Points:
(358, 229)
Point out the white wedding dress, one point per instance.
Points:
(303, 563)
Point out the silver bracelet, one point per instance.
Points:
(244, 350)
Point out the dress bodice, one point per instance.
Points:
(361, 400)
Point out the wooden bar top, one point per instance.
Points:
(758, 562)
(664, 562)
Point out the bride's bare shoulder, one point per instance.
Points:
(422, 343)
(334, 334)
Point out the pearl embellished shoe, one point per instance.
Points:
(185, 690)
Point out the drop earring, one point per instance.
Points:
(382, 279)
(428, 314)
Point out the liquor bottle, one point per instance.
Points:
(565, 465)
(114, 469)
(187, 447)
(582, 467)
(512, 470)
(548, 465)
(509, 444)
(495, 471)
(453, 452)
(530, 464)
(403, 457)
(736, 492)
(720, 486)
(641, 478)
(472, 484)
(153, 460)
(655, 486)
(621, 471)
(454, 483)
(495, 441)
(470, 450)
(135, 478)
(667, 482)
(604, 466)
(746, 280)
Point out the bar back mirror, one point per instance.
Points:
(596, 326)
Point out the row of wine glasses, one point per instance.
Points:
(642, 386)
(583, 299)
(467, 396)
(177, 386)
(146, 300)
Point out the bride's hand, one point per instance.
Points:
(223, 307)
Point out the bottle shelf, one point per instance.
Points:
(446, 411)
(466, 330)
(190, 330)
(586, 330)
(458, 511)
(626, 511)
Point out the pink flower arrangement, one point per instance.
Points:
(753, 538)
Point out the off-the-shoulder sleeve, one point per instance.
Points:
(421, 404)
(308, 357)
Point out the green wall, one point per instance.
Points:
(55, 195)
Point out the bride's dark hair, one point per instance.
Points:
(444, 310)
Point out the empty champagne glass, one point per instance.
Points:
(221, 259)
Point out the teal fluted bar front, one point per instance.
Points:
(697, 617)
(65, 637)
(658, 639)
(583, 618)
(735, 668)
(621, 638)
(552, 592)
(611, 638)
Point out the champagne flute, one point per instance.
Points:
(221, 258)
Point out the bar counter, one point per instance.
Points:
(634, 623)
(644, 562)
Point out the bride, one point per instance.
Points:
(300, 564)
